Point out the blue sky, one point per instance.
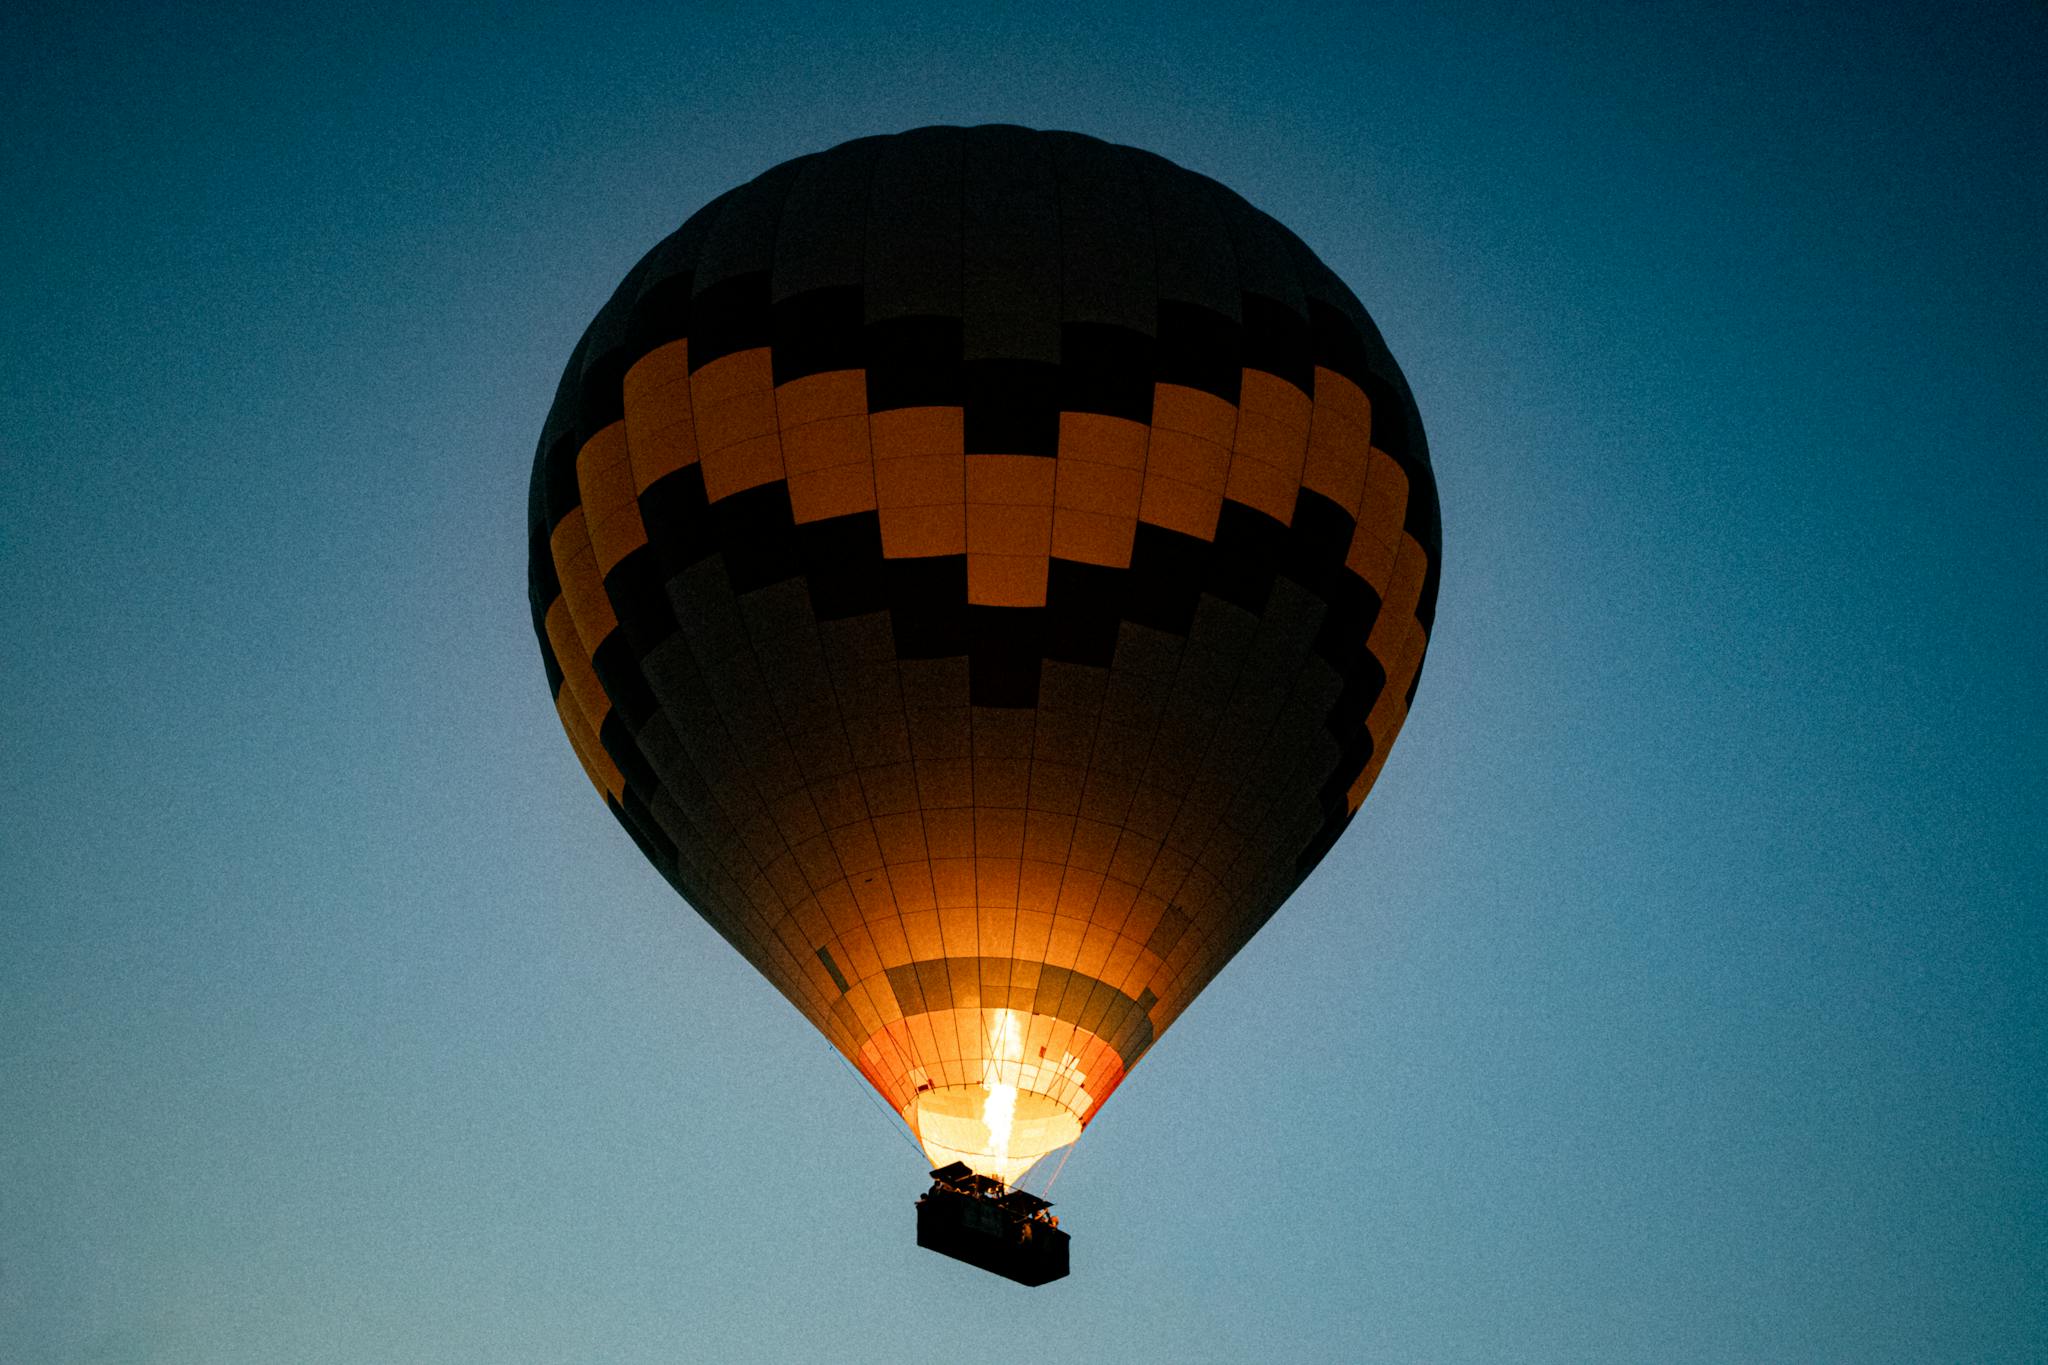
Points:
(1679, 994)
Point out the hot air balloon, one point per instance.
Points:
(984, 570)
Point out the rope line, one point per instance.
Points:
(895, 1120)
(1061, 1167)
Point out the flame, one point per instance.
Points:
(1004, 1116)
(999, 1109)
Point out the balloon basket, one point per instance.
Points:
(1006, 1232)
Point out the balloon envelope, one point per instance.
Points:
(984, 570)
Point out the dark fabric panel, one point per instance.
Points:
(1425, 522)
(551, 668)
(842, 565)
(661, 309)
(740, 238)
(553, 492)
(820, 241)
(1278, 341)
(551, 431)
(1363, 683)
(639, 600)
(1263, 252)
(1083, 603)
(1191, 242)
(913, 362)
(1200, 348)
(927, 605)
(1364, 352)
(661, 314)
(832, 970)
(1108, 272)
(677, 515)
(756, 535)
(913, 227)
(1005, 649)
(1165, 579)
(1316, 552)
(1247, 554)
(1011, 407)
(543, 585)
(563, 494)
(1106, 368)
(1009, 253)
(817, 331)
(618, 671)
(600, 398)
(616, 738)
(728, 317)
(635, 819)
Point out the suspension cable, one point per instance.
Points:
(894, 1119)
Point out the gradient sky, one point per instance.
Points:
(1678, 995)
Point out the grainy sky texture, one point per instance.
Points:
(1679, 994)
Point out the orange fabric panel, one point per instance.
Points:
(1094, 844)
(737, 426)
(1105, 489)
(1263, 487)
(949, 832)
(953, 882)
(1079, 891)
(998, 825)
(1180, 507)
(999, 530)
(1397, 609)
(1270, 445)
(825, 446)
(661, 424)
(815, 397)
(890, 941)
(913, 532)
(1372, 559)
(944, 783)
(1007, 580)
(596, 763)
(590, 607)
(836, 492)
(745, 374)
(1192, 460)
(1338, 398)
(1048, 837)
(1039, 885)
(1272, 422)
(917, 431)
(912, 883)
(1034, 928)
(923, 480)
(1010, 480)
(1093, 438)
(826, 443)
(604, 479)
(1355, 797)
(995, 882)
(1175, 407)
(1339, 441)
(742, 465)
(1384, 503)
(1093, 538)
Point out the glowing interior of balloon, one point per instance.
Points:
(1004, 1124)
